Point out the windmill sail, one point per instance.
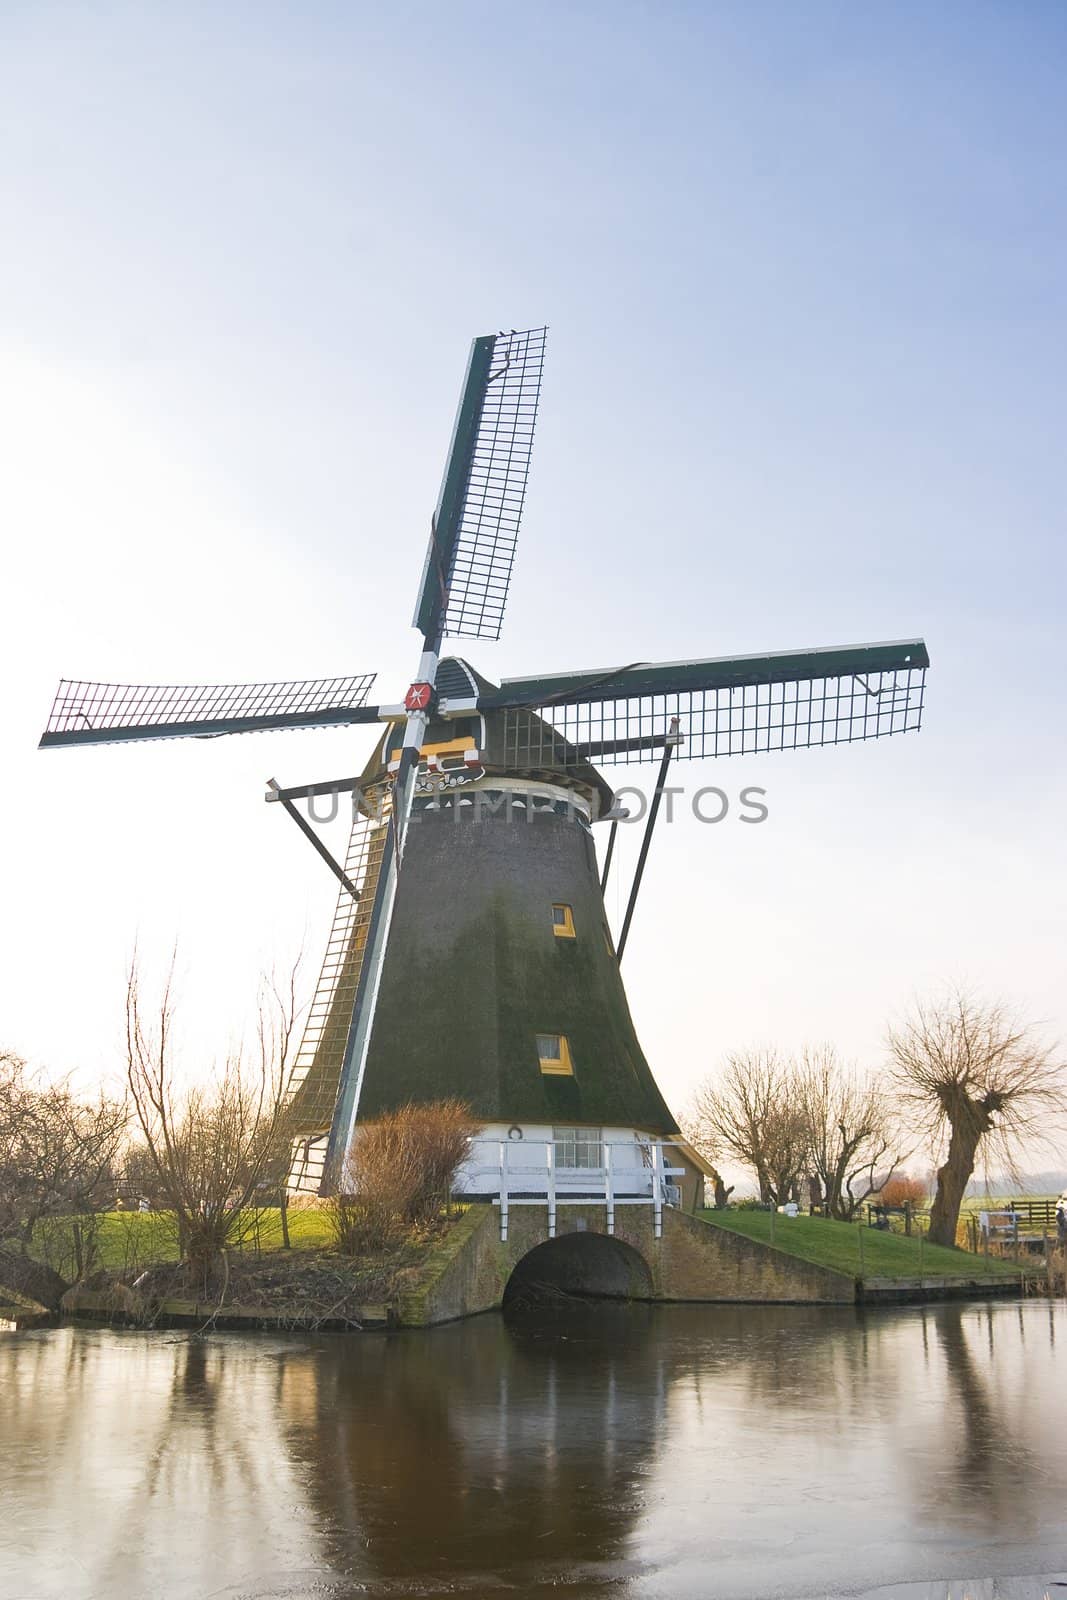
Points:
(746, 705)
(463, 591)
(474, 531)
(115, 713)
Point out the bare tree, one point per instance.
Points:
(57, 1164)
(979, 1083)
(706, 1140)
(209, 1145)
(751, 1113)
(852, 1142)
(139, 1178)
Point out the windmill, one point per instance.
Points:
(470, 952)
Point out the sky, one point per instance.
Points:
(805, 271)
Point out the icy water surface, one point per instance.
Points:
(690, 1452)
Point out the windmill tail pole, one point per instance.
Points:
(653, 812)
(357, 1046)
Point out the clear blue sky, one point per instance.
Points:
(804, 267)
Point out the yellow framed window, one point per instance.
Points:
(554, 1055)
(563, 922)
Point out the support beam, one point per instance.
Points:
(308, 791)
(608, 854)
(653, 811)
(309, 833)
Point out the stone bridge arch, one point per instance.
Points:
(586, 1263)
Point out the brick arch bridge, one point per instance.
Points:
(471, 1269)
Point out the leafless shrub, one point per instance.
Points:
(210, 1145)
(976, 1082)
(401, 1173)
(139, 1179)
(902, 1190)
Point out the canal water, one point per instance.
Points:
(690, 1452)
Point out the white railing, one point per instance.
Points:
(531, 1174)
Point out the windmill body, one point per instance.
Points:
(500, 983)
(470, 954)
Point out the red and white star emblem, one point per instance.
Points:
(418, 697)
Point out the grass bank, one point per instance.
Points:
(126, 1241)
(861, 1251)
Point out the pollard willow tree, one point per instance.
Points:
(980, 1084)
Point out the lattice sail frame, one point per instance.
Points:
(749, 719)
(311, 1092)
(91, 711)
(479, 570)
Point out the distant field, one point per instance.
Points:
(136, 1239)
(837, 1245)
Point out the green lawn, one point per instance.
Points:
(837, 1245)
(137, 1239)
